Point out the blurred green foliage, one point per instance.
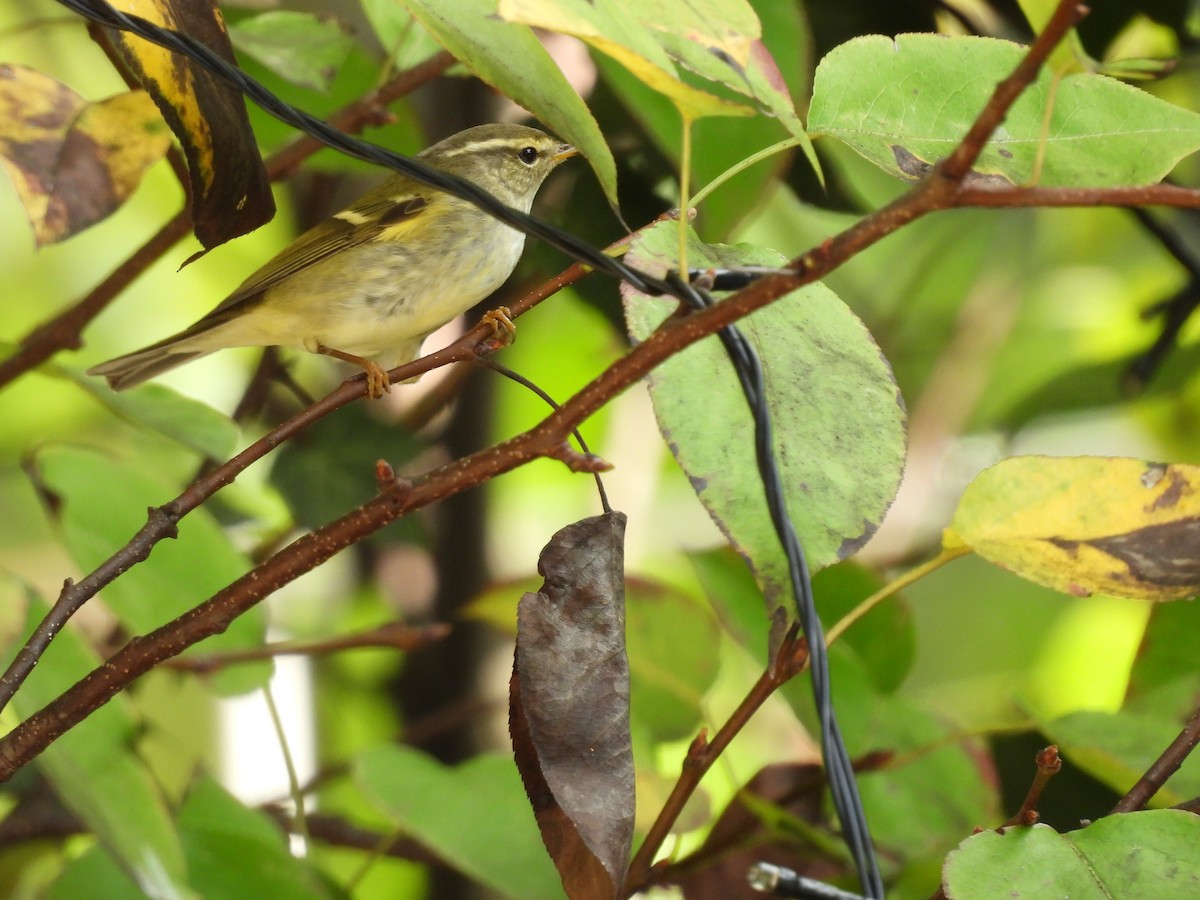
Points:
(1007, 332)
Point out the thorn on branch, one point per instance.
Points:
(388, 483)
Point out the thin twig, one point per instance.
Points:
(791, 660)
(1049, 764)
(1163, 768)
(398, 636)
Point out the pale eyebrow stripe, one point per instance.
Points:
(478, 146)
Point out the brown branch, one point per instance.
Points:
(65, 330)
(41, 816)
(1066, 16)
(791, 659)
(1014, 198)
(1163, 768)
(338, 832)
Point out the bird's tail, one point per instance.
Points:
(142, 365)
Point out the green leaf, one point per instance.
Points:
(905, 104)
(712, 152)
(304, 48)
(1166, 671)
(610, 27)
(329, 469)
(837, 414)
(1116, 748)
(190, 422)
(1142, 854)
(885, 639)
(237, 853)
(97, 776)
(474, 816)
(101, 504)
(403, 38)
(96, 875)
(511, 59)
(735, 598)
(673, 659)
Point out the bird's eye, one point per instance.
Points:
(528, 155)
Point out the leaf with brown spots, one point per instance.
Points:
(1087, 525)
(569, 707)
(838, 418)
(73, 162)
(230, 191)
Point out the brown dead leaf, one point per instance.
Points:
(569, 707)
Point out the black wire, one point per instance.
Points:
(839, 770)
(783, 882)
(843, 788)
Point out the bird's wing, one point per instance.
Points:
(372, 214)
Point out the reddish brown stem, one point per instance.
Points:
(392, 636)
(1049, 764)
(790, 661)
(1164, 767)
(1066, 16)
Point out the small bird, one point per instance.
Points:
(373, 281)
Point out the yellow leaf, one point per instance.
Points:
(1087, 525)
(606, 26)
(73, 162)
(230, 192)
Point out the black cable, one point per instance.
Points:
(781, 882)
(843, 788)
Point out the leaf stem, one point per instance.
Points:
(765, 153)
(896, 585)
(685, 180)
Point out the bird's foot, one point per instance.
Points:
(504, 330)
(378, 380)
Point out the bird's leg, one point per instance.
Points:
(504, 330)
(378, 382)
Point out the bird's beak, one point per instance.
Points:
(565, 151)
